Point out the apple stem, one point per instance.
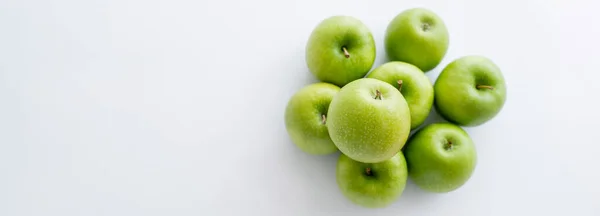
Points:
(377, 94)
(399, 85)
(485, 87)
(368, 171)
(323, 118)
(346, 52)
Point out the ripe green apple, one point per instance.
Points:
(340, 49)
(417, 36)
(441, 157)
(369, 120)
(306, 115)
(412, 83)
(372, 185)
(470, 91)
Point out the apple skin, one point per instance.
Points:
(365, 127)
(441, 157)
(417, 36)
(416, 88)
(304, 118)
(470, 91)
(380, 186)
(325, 55)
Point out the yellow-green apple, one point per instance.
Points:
(470, 91)
(340, 49)
(372, 185)
(417, 36)
(306, 116)
(414, 85)
(369, 120)
(441, 157)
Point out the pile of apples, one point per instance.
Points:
(368, 115)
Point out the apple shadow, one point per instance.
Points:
(415, 197)
(309, 78)
(315, 174)
(380, 59)
(419, 197)
(433, 117)
(312, 177)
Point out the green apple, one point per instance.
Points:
(412, 83)
(372, 185)
(441, 157)
(369, 120)
(417, 36)
(470, 91)
(306, 116)
(340, 49)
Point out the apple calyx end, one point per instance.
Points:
(377, 94)
(346, 52)
(368, 171)
(485, 87)
(323, 119)
(400, 85)
(448, 146)
(425, 26)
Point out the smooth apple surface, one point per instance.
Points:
(306, 116)
(470, 91)
(417, 36)
(372, 185)
(441, 157)
(340, 49)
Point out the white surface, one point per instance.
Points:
(131, 107)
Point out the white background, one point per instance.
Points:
(140, 107)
